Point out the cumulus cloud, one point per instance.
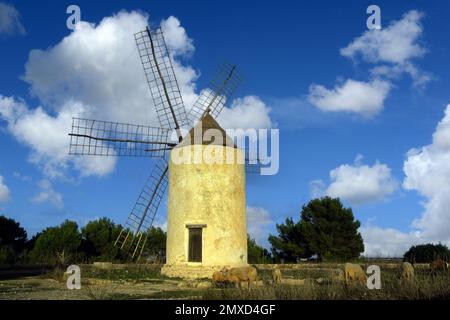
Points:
(10, 20)
(387, 242)
(365, 98)
(176, 37)
(392, 52)
(420, 77)
(246, 113)
(358, 183)
(5, 194)
(258, 222)
(48, 194)
(396, 43)
(99, 66)
(393, 48)
(47, 136)
(95, 72)
(427, 172)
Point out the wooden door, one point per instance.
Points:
(195, 245)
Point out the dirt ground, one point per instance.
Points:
(122, 282)
(36, 287)
(136, 282)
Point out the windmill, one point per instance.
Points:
(102, 138)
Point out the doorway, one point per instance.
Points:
(195, 245)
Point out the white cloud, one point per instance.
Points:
(176, 37)
(357, 183)
(5, 194)
(47, 136)
(393, 48)
(10, 20)
(365, 98)
(95, 72)
(420, 77)
(427, 171)
(246, 113)
(48, 194)
(396, 43)
(258, 222)
(99, 66)
(389, 242)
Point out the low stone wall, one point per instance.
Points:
(326, 265)
(298, 266)
(103, 265)
(192, 272)
(122, 266)
(189, 272)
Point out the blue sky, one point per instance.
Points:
(354, 113)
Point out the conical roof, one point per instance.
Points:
(207, 123)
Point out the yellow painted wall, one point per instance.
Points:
(211, 194)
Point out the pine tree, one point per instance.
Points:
(325, 228)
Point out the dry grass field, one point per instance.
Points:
(303, 281)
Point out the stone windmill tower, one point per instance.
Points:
(206, 223)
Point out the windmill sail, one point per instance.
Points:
(160, 75)
(134, 236)
(213, 99)
(103, 138)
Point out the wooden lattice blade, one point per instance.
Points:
(103, 138)
(162, 82)
(133, 237)
(220, 89)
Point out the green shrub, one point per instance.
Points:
(256, 253)
(12, 234)
(98, 240)
(426, 253)
(7, 255)
(57, 245)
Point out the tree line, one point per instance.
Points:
(325, 231)
(66, 243)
